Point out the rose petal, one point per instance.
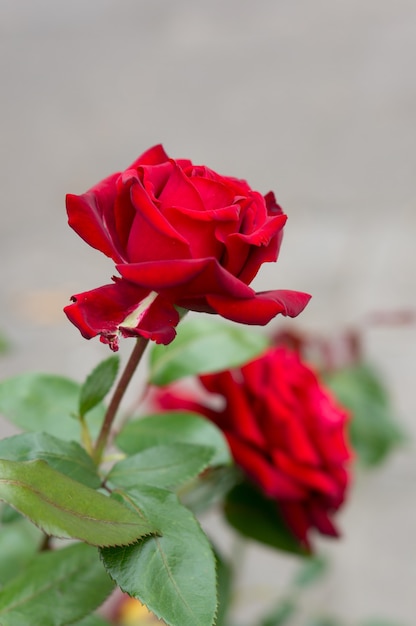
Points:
(213, 193)
(124, 211)
(271, 480)
(91, 216)
(104, 311)
(255, 211)
(202, 229)
(238, 415)
(152, 156)
(154, 178)
(257, 254)
(320, 519)
(261, 307)
(151, 236)
(311, 477)
(259, 238)
(157, 322)
(297, 519)
(190, 277)
(179, 191)
(272, 207)
(179, 401)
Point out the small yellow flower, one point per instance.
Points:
(134, 613)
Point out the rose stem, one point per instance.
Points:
(119, 391)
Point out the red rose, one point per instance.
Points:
(180, 235)
(286, 433)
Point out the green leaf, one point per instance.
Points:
(173, 575)
(65, 508)
(257, 517)
(42, 402)
(225, 589)
(209, 488)
(19, 543)
(66, 457)
(203, 346)
(8, 515)
(175, 427)
(162, 466)
(98, 384)
(56, 589)
(374, 432)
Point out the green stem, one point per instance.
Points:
(85, 435)
(119, 391)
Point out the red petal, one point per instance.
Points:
(179, 191)
(261, 307)
(91, 215)
(186, 278)
(297, 519)
(153, 156)
(154, 178)
(157, 323)
(103, 311)
(321, 520)
(244, 256)
(272, 207)
(179, 401)
(213, 193)
(310, 477)
(273, 483)
(259, 255)
(151, 236)
(204, 230)
(239, 415)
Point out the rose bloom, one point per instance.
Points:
(182, 236)
(285, 431)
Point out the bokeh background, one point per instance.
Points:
(315, 100)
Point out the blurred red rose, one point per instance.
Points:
(180, 235)
(285, 431)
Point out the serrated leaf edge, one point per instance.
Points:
(73, 536)
(159, 616)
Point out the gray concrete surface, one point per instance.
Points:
(316, 100)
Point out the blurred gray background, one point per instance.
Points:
(315, 100)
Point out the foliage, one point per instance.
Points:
(58, 587)
(130, 515)
(203, 346)
(374, 429)
(45, 403)
(174, 573)
(257, 517)
(173, 427)
(151, 544)
(98, 384)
